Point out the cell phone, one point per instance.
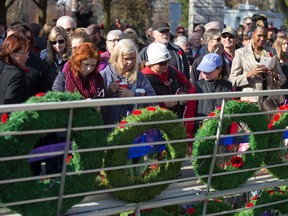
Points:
(181, 91)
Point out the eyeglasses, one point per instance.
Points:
(114, 40)
(180, 32)
(59, 41)
(70, 29)
(163, 63)
(248, 23)
(228, 35)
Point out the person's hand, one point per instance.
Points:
(170, 104)
(259, 69)
(271, 72)
(124, 92)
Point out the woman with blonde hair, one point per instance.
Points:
(80, 73)
(122, 78)
(58, 51)
(281, 47)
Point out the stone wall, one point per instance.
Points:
(204, 11)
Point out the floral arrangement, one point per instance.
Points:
(279, 121)
(267, 196)
(237, 161)
(213, 206)
(125, 134)
(22, 145)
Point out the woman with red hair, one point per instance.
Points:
(80, 73)
(14, 53)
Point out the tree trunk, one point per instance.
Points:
(107, 14)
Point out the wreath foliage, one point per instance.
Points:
(125, 135)
(246, 161)
(23, 144)
(149, 212)
(267, 196)
(279, 121)
(213, 206)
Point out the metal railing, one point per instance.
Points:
(198, 192)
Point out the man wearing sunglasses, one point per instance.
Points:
(229, 39)
(161, 34)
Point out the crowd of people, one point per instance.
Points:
(78, 57)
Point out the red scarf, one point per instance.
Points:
(90, 86)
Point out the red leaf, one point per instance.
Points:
(271, 126)
(276, 117)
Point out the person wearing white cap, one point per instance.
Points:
(164, 79)
(161, 34)
(212, 81)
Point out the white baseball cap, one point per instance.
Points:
(157, 52)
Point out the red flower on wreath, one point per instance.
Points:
(123, 123)
(217, 200)
(180, 52)
(68, 159)
(190, 211)
(212, 114)
(271, 192)
(4, 118)
(282, 192)
(218, 108)
(249, 205)
(254, 198)
(40, 94)
(271, 126)
(136, 112)
(151, 109)
(237, 162)
(276, 117)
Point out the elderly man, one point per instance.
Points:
(68, 23)
(113, 37)
(161, 34)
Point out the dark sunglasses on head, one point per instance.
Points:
(228, 35)
(180, 32)
(59, 41)
(163, 63)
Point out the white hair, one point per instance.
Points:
(180, 41)
(64, 19)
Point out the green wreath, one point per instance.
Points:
(23, 144)
(245, 161)
(126, 134)
(148, 212)
(279, 121)
(267, 196)
(213, 206)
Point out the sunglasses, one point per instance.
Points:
(70, 29)
(228, 35)
(59, 41)
(163, 63)
(180, 32)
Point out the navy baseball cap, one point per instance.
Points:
(210, 62)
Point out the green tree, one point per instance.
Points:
(283, 7)
(185, 12)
